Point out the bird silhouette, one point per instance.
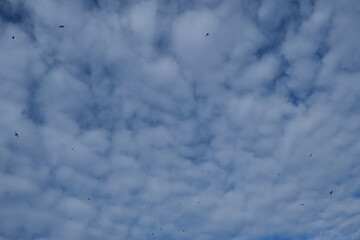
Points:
(61, 26)
(13, 37)
(88, 198)
(16, 134)
(302, 204)
(310, 155)
(207, 34)
(331, 192)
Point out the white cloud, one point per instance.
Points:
(172, 132)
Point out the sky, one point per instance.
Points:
(133, 124)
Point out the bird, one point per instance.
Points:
(152, 233)
(198, 202)
(88, 198)
(13, 37)
(278, 174)
(61, 26)
(70, 218)
(207, 34)
(16, 134)
(331, 192)
(310, 155)
(183, 230)
(72, 148)
(302, 204)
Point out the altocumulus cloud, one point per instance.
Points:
(135, 125)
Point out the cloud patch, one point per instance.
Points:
(134, 124)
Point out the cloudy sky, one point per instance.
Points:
(133, 124)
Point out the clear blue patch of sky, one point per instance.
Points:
(279, 237)
(11, 13)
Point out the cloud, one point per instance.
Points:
(134, 124)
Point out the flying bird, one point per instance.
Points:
(88, 198)
(302, 204)
(207, 34)
(310, 155)
(61, 26)
(13, 37)
(331, 192)
(16, 134)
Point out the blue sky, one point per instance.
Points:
(133, 124)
